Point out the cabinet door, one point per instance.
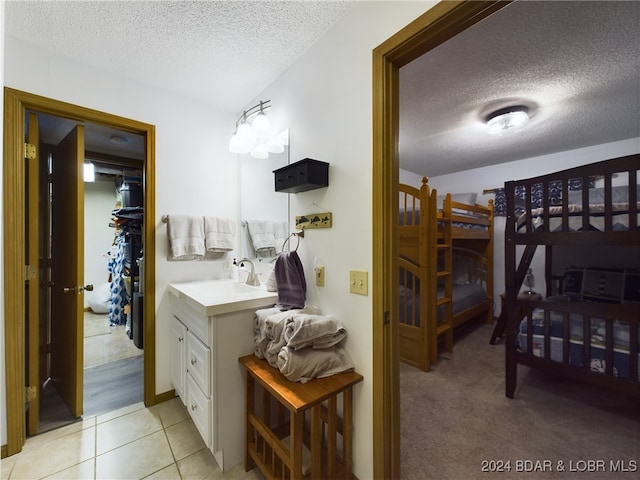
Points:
(178, 357)
(200, 409)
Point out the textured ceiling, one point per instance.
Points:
(219, 52)
(575, 64)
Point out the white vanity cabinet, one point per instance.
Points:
(205, 346)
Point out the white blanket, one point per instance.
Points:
(317, 331)
(308, 363)
(186, 237)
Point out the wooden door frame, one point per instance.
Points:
(16, 104)
(436, 26)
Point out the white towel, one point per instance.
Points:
(218, 234)
(308, 363)
(260, 339)
(186, 237)
(262, 233)
(317, 331)
(281, 233)
(268, 331)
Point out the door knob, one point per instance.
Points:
(88, 288)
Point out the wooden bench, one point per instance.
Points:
(280, 441)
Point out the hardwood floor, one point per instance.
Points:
(112, 363)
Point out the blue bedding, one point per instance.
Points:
(597, 329)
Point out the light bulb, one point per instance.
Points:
(260, 151)
(507, 119)
(261, 127)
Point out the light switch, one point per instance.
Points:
(358, 282)
(320, 275)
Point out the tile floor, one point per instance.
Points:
(131, 443)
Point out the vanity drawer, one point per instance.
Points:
(200, 409)
(307, 174)
(199, 362)
(195, 322)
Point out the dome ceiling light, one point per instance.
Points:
(507, 119)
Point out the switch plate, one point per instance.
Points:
(358, 282)
(320, 276)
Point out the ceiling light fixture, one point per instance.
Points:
(119, 139)
(507, 119)
(88, 172)
(254, 134)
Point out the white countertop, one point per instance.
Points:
(217, 297)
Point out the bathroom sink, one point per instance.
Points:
(216, 297)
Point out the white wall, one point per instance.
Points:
(325, 98)
(99, 202)
(477, 180)
(195, 173)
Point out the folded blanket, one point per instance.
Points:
(292, 286)
(317, 331)
(218, 234)
(186, 237)
(308, 363)
(268, 329)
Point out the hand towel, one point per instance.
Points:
(317, 331)
(308, 363)
(281, 233)
(262, 233)
(292, 286)
(186, 237)
(218, 234)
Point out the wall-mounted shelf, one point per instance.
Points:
(301, 176)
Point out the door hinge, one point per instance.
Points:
(31, 394)
(29, 272)
(29, 151)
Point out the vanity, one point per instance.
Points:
(211, 326)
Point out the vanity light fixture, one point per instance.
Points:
(507, 119)
(254, 134)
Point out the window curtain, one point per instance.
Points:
(555, 196)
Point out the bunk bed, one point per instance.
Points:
(586, 332)
(445, 269)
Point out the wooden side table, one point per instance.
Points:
(501, 324)
(275, 435)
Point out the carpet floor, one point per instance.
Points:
(457, 423)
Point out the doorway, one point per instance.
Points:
(113, 216)
(19, 274)
(436, 26)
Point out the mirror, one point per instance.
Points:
(264, 213)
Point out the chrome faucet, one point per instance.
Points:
(252, 278)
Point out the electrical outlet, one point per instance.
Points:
(320, 276)
(358, 282)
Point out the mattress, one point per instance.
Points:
(597, 353)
